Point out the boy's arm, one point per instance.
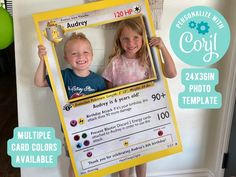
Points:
(168, 65)
(40, 74)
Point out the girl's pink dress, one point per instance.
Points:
(122, 70)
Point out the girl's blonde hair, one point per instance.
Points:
(136, 25)
(77, 36)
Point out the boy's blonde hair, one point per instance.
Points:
(136, 25)
(77, 36)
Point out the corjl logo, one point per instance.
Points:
(200, 36)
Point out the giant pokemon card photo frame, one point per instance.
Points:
(116, 128)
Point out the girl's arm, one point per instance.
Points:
(168, 65)
(40, 74)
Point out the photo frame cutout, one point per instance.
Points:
(64, 38)
(141, 103)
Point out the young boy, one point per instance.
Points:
(78, 80)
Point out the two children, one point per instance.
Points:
(129, 63)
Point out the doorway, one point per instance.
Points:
(8, 109)
(230, 170)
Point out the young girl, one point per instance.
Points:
(130, 63)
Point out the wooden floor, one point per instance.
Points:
(8, 121)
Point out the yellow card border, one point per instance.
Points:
(55, 14)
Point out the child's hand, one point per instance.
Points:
(41, 51)
(157, 42)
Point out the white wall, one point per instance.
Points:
(36, 107)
